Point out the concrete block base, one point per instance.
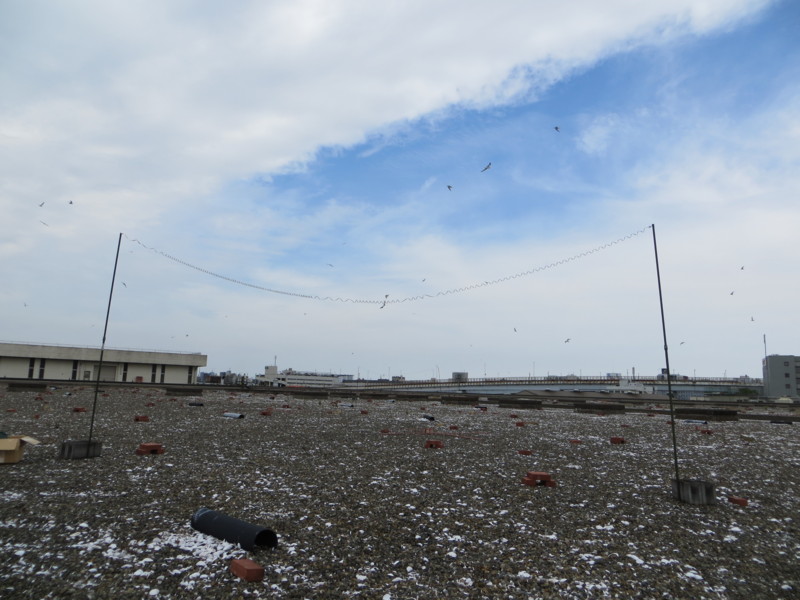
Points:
(694, 491)
(76, 449)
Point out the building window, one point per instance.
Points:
(31, 365)
(786, 375)
(189, 378)
(153, 375)
(163, 371)
(788, 386)
(74, 370)
(87, 375)
(786, 363)
(124, 371)
(41, 368)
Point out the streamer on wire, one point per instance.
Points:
(385, 301)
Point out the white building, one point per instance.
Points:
(76, 363)
(292, 378)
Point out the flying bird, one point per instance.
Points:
(682, 343)
(752, 319)
(741, 268)
(329, 264)
(566, 341)
(450, 187)
(731, 293)
(515, 330)
(125, 284)
(41, 205)
(70, 201)
(557, 128)
(43, 223)
(486, 168)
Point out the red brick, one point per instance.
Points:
(737, 500)
(150, 448)
(384, 431)
(79, 409)
(525, 452)
(539, 475)
(575, 442)
(617, 440)
(247, 569)
(434, 444)
(454, 427)
(520, 423)
(141, 418)
(364, 412)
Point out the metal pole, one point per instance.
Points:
(666, 358)
(103, 345)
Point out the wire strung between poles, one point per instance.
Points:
(385, 301)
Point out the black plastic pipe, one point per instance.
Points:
(248, 536)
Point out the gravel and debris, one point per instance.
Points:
(363, 509)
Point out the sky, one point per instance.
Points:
(304, 184)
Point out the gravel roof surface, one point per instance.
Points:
(365, 514)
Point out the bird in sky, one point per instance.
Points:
(731, 293)
(124, 284)
(515, 330)
(682, 343)
(741, 268)
(566, 341)
(43, 223)
(41, 205)
(752, 319)
(486, 168)
(450, 187)
(330, 265)
(557, 128)
(70, 201)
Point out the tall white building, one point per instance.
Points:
(781, 375)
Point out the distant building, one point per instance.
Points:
(292, 378)
(781, 376)
(79, 363)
